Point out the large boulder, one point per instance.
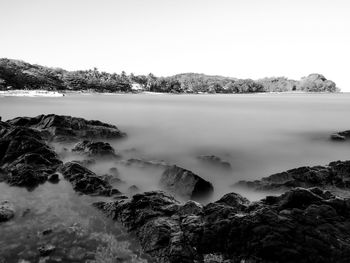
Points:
(185, 183)
(86, 181)
(25, 158)
(67, 128)
(7, 211)
(334, 175)
(90, 148)
(302, 225)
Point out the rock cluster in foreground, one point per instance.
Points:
(26, 159)
(305, 224)
(302, 225)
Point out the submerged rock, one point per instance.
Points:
(90, 148)
(302, 225)
(338, 136)
(145, 163)
(7, 211)
(86, 181)
(53, 178)
(67, 128)
(215, 161)
(185, 183)
(335, 174)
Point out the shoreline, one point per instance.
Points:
(47, 93)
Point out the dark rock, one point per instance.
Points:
(338, 137)
(190, 208)
(67, 128)
(90, 148)
(53, 178)
(302, 225)
(215, 161)
(46, 232)
(46, 250)
(85, 181)
(334, 175)
(150, 215)
(234, 200)
(85, 162)
(7, 211)
(25, 158)
(185, 184)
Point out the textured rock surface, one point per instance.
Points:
(85, 181)
(25, 158)
(7, 211)
(335, 174)
(90, 148)
(185, 184)
(67, 128)
(302, 225)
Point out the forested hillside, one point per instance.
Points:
(15, 74)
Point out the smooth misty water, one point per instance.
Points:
(258, 134)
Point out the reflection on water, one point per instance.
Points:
(54, 214)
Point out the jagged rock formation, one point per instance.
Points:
(67, 128)
(302, 225)
(97, 149)
(335, 174)
(86, 181)
(25, 158)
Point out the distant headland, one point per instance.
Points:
(19, 75)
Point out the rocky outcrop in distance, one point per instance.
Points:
(335, 174)
(340, 136)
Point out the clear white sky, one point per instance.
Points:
(238, 38)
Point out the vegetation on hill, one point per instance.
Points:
(15, 74)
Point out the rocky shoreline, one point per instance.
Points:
(309, 222)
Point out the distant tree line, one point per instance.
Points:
(16, 74)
